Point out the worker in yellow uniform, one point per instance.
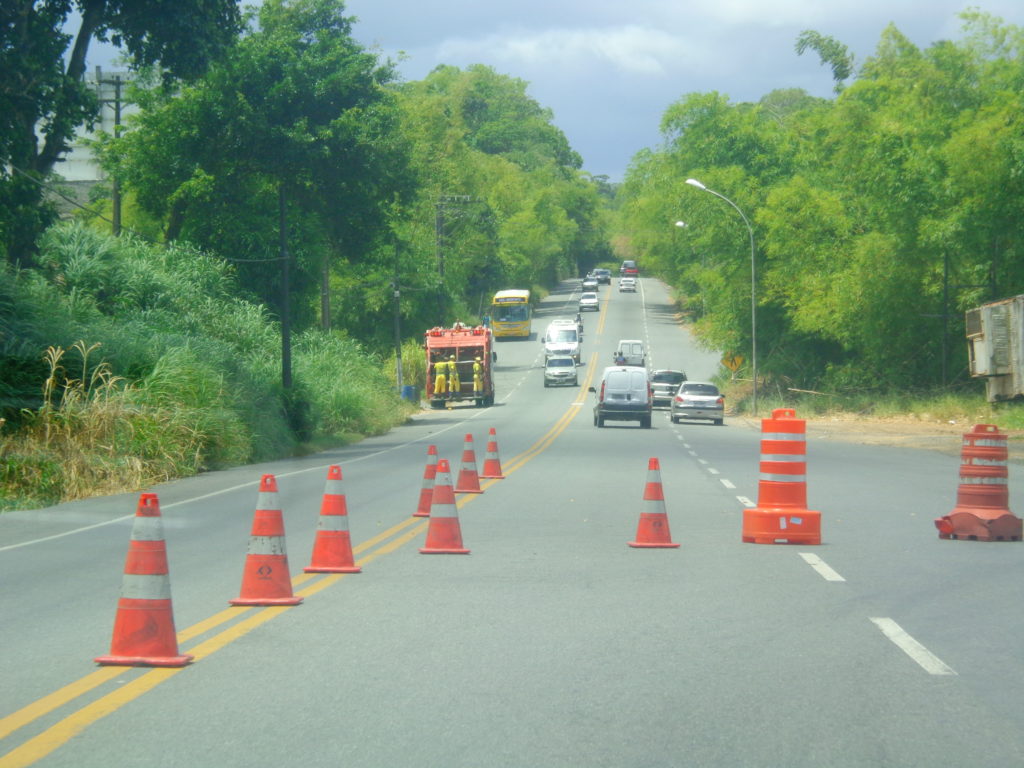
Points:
(454, 385)
(478, 379)
(440, 377)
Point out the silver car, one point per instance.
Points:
(559, 370)
(664, 385)
(589, 300)
(698, 400)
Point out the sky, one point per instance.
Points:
(608, 69)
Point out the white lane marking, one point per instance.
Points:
(692, 453)
(823, 568)
(686, 445)
(713, 471)
(745, 501)
(727, 484)
(928, 661)
(703, 461)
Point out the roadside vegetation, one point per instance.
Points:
(878, 216)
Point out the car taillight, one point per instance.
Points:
(720, 401)
(601, 396)
(680, 399)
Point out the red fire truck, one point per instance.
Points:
(467, 352)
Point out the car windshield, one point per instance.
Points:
(560, 362)
(562, 334)
(589, 296)
(699, 389)
(668, 377)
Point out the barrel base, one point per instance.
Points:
(781, 526)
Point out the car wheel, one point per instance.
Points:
(719, 422)
(545, 383)
(645, 422)
(599, 420)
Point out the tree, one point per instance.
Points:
(44, 99)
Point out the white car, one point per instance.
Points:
(559, 370)
(588, 300)
(627, 284)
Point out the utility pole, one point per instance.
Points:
(439, 222)
(115, 189)
(398, 326)
(286, 308)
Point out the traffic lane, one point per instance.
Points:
(382, 488)
(556, 644)
(671, 343)
(877, 505)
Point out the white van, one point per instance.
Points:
(623, 394)
(629, 352)
(562, 338)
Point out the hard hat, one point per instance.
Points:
(451, 357)
(478, 358)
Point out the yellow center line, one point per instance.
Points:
(54, 737)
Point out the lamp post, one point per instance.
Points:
(753, 285)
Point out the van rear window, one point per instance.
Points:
(620, 380)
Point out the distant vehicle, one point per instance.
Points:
(510, 314)
(624, 394)
(604, 276)
(589, 300)
(629, 269)
(627, 285)
(698, 400)
(630, 352)
(452, 356)
(589, 283)
(560, 370)
(562, 338)
(664, 385)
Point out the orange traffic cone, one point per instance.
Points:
(982, 512)
(652, 531)
(781, 514)
(427, 489)
(492, 462)
(444, 535)
(469, 480)
(144, 633)
(332, 548)
(266, 579)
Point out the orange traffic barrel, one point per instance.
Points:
(781, 514)
(982, 500)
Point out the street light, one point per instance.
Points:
(753, 284)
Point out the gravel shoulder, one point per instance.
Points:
(941, 436)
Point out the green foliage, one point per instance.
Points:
(868, 211)
(176, 375)
(44, 98)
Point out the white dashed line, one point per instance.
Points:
(821, 567)
(713, 471)
(745, 501)
(928, 661)
(727, 484)
(703, 461)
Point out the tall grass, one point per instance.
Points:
(134, 364)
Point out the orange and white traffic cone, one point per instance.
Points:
(469, 480)
(266, 579)
(492, 462)
(652, 530)
(982, 510)
(444, 534)
(427, 489)
(332, 548)
(781, 514)
(144, 633)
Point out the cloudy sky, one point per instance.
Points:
(609, 68)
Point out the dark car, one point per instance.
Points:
(698, 400)
(629, 269)
(664, 385)
(604, 276)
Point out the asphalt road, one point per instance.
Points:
(553, 643)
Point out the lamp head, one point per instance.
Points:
(695, 183)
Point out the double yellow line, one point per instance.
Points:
(60, 733)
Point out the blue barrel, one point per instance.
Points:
(410, 393)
